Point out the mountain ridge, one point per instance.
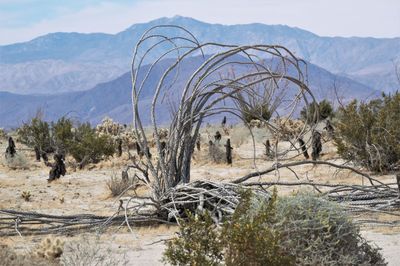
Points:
(112, 98)
(350, 56)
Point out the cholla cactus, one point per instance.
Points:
(116, 131)
(109, 127)
(289, 128)
(128, 138)
(50, 248)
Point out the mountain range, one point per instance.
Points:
(113, 98)
(61, 62)
(64, 72)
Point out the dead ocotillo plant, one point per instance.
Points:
(205, 93)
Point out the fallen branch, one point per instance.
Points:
(286, 165)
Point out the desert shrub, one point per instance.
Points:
(297, 230)
(318, 232)
(241, 135)
(89, 147)
(198, 243)
(216, 153)
(63, 134)
(83, 143)
(47, 137)
(90, 252)
(36, 133)
(250, 237)
(118, 185)
(247, 239)
(18, 161)
(369, 133)
(259, 100)
(309, 115)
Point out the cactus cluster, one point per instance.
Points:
(116, 131)
(50, 248)
(109, 127)
(289, 128)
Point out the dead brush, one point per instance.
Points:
(90, 251)
(117, 185)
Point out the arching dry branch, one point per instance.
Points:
(205, 91)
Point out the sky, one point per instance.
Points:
(23, 20)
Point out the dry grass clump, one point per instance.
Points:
(85, 252)
(119, 185)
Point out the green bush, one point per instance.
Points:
(82, 143)
(199, 242)
(308, 113)
(250, 237)
(247, 239)
(63, 134)
(88, 147)
(37, 133)
(369, 133)
(298, 230)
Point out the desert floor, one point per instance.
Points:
(86, 191)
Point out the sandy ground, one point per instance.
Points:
(86, 191)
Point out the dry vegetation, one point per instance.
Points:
(181, 175)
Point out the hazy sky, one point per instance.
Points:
(22, 20)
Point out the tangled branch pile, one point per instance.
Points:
(219, 200)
